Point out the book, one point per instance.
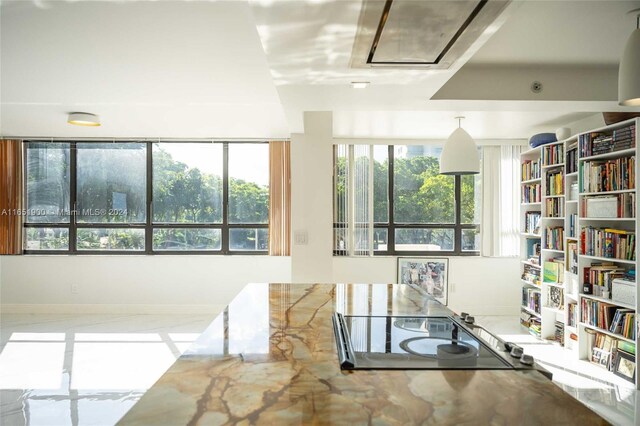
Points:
(551, 272)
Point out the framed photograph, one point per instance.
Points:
(625, 366)
(427, 273)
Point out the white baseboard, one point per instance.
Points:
(19, 308)
(487, 310)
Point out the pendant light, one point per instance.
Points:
(629, 72)
(460, 155)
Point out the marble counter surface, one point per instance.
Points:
(270, 358)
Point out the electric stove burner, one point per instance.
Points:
(388, 342)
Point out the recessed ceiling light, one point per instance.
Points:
(359, 84)
(83, 119)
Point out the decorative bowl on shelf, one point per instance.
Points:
(563, 133)
(616, 117)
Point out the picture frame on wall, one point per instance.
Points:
(429, 274)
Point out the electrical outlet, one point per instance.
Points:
(74, 288)
(301, 237)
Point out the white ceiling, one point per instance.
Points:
(149, 69)
(251, 68)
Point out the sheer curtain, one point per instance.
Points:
(11, 199)
(500, 200)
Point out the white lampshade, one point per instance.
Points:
(460, 155)
(83, 119)
(629, 72)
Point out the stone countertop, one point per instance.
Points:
(270, 358)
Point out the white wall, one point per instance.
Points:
(479, 285)
(132, 283)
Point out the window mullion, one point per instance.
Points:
(148, 235)
(225, 198)
(73, 204)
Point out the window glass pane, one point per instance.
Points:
(421, 193)
(470, 193)
(187, 182)
(248, 183)
(381, 184)
(47, 239)
(187, 239)
(111, 182)
(380, 238)
(110, 239)
(48, 170)
(412, 239)
(471, 239)
(339, 239)
(340, 185)
(248, 239)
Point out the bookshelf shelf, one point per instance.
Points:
(530, 311)
(607, 332)
(531, 181)
(532, 284)
(562, 226)
(609, 301)
(608, 259)
(621, 191)
(608, 219)
(608, 155)
(524, 234)
(551, 166)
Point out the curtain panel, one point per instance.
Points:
(11, 197)
(279, 198)
(500, 200)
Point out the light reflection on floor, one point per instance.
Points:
(610, 396)
(85, 369)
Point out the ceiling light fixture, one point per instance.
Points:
(629, 71)
(359, 84)
(83, 119)
(460, 154)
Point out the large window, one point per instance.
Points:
(416, 210)
(147, 197)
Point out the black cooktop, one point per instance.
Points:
(434, 342)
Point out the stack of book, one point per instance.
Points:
(601, 143)
(623, 323)
(555, 182)
(531, 275)
(530, 170)
(554, 271)
(572, 255)
(554, 207)
(553, 154)
(531, 299)
(572, 319)
(572, 158)
(610, 175)
(532, 223)
(609, 243)
(573, 220)
(597, 314)
(533, 251)
(559, 333)
(535, 327)
(554, 238)
(601, 276)
(531, 193)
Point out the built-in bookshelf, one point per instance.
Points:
(530, 237)
(580, 267)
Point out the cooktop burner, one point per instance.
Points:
(388, 342)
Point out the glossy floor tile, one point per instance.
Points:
(610, 396)
(85, 369)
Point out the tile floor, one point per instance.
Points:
(90, 369)
(611, 397)
(85, 369)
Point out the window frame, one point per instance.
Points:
(391, 226)
(148, 226)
